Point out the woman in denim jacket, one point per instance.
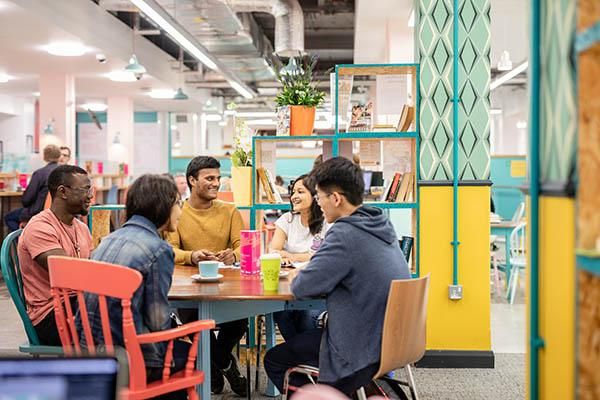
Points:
(153, 207)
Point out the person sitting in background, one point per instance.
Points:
(182, 186)
(153, 207)
(353, 270)
(65, 155)
(298, 235)
(34, 196)
(53, 232)
(279, 185)
(209, 229)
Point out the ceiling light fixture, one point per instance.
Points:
(179, 95)
(157, 14)
(5, 78)
(121, 76)
(66, 49)
(162, 93)
(509, 75)
(134, 66)
(96, 107)
(504, 64)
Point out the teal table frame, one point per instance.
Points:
(232, 310)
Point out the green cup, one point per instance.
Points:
(270, 265)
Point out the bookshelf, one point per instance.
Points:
(389, 152)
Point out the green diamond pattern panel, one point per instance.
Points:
(436, 57)
(558, 114)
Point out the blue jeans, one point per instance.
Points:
(293, 322)
(13, 219)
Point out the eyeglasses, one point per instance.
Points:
(89, 191)
(317, 199)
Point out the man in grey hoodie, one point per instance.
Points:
(353, 269)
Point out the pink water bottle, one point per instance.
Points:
(250, 252)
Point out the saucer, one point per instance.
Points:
(199, 278)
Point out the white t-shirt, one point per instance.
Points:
(299, 238)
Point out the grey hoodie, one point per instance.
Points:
(353, 269)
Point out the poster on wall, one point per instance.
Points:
(92, 142)
(147, 154)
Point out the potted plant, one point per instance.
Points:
(299, 94)
(241, 163)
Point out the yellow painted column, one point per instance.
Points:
(456, 324)
(557, 297)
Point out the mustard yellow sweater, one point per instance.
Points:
(216, 228)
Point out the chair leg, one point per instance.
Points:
(509, 284)
(258, 351)
(496, 276)
(248, 360)
(411, 383)
(192, 394)
(515, 287)
(362, 395)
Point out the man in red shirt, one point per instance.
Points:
(54, 232)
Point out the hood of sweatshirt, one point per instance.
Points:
(373, 221)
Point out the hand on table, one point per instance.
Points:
(202, 255)
(226, 256)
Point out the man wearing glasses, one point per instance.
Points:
(352, 269)
(54, 232)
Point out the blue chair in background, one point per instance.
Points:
(11, 272)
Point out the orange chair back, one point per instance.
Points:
(48, 201)
(68, 275)
(225, 196)
(403, 339)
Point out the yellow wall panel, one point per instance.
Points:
(456, 324)
(557, 297)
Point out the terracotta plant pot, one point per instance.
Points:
(241, 184)
(302, 120)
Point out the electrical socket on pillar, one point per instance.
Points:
(455, 292)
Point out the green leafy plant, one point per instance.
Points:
(296, 79)
(242, 142)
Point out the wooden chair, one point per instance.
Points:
(11, 272)
(403, 336)
(109, 280)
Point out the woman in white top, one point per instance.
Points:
(299, 233)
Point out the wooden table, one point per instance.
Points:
(235, 297)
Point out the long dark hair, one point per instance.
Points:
(315, 221)
(153, 197)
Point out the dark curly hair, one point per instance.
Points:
(315, 221)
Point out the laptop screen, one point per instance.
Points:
(58, 378)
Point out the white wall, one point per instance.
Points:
(16, 122)
(506, 138)
(510, 30)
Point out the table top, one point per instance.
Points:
(233, 286)
(10, 194)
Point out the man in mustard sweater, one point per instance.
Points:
(209, 229)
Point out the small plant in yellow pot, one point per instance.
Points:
(241, 164)
(299, 94)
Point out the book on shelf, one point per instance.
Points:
(407, 117)
(391, 196)
(272, 187)
(406, 245)
(361, 118)
(264, 184)
(404, 188)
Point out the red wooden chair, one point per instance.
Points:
(72, 274)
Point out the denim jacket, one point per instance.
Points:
(137, 245)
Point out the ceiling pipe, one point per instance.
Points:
(289, 22)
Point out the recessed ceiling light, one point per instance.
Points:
(121, 76)
(162, 93)
(66, 49)
(96, 107)
(5, 78)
